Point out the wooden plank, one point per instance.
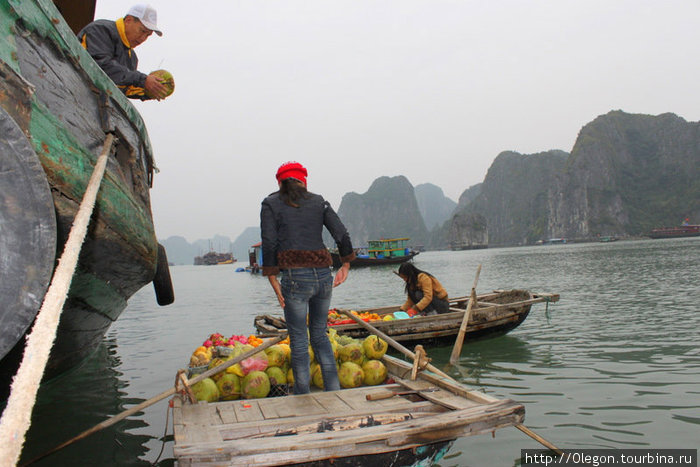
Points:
(494, 412)
(199, 434)
(250, 429)
(196, 414)
(330, 401)
(247, 411)
(226, 413)
(279, 407)
(298, 405)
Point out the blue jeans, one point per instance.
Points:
(308, 291)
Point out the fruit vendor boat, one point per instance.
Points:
(379, 253)
(405, 422)
(56, 109)
(493, 314)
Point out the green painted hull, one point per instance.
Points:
(64, 105)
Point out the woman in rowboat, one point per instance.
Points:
(291, 224)
(425, 293)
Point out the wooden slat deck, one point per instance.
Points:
(324, 425)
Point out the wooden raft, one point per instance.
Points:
(319, 426)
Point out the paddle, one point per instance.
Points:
(457, 349)
(430, 367)
(111, 421)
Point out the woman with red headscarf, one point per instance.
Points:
(291, 224)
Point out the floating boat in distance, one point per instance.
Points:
(255, 258)
(379, 252)
(56, 109)
(407, 422)
(213, 258)
(492, 315)
(685, 230)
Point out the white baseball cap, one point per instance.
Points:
(147, 15)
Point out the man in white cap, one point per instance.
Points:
(111, 44)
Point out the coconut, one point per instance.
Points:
(336, 349)
(276, 355)
(255, 385)
(316, 375)
(374, 372)
(351, 353)
(229, 386)
(374, 347)
(214, 363)
(290, 376)
(350, 375)
(206, 390)
(166, 78)
(277, 375)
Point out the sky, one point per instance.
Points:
(430, 89)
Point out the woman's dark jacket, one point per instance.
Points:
(292, 236)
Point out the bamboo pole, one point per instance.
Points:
(457, 349)
(430, 367)
(137, 408)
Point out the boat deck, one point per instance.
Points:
(319, 426)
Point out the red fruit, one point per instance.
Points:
(208, 343)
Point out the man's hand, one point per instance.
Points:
(341, 275)
(155, 87)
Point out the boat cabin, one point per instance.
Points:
(388, 248)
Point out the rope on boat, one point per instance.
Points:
(16, 418)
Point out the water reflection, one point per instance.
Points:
(77, 401)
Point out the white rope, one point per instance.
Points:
(17, 415)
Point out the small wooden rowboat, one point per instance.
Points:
(408, 422)
(493, 314)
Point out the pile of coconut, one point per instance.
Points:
(268, 373)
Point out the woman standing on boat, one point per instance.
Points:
(425, 293)
(291, 224)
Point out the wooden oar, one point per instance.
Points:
(457, 349)
(430, 367)
(161, 396)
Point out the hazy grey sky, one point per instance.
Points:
(433, 90)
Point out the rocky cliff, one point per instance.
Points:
(388, 209)
(434, 206)
(512, 201)
(626, 174)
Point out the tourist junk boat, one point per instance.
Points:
(56, 109)
(493, 314)
(213, 258)
(379, 252)
(685, 230)
(407, 422)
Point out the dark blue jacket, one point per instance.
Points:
(292, 236)
(103, 42)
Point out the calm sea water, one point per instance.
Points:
(614, 364)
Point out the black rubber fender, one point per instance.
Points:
(27, 233)
(162, 283)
